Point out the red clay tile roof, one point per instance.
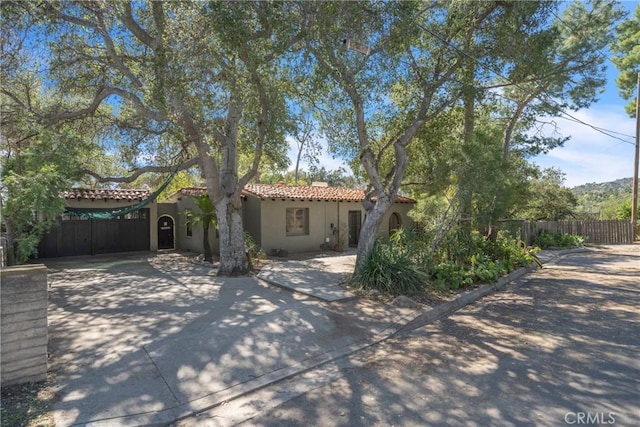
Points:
(309, 192)
(102, 194)
(192, 191)
(262, 191)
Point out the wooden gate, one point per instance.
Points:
(75, 236)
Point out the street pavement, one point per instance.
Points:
(560, 346)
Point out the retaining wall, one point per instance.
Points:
(23, 324)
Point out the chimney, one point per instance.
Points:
(319, 184)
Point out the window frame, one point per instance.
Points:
(298, 230)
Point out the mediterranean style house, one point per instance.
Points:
(278, 218)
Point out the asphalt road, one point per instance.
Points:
(561, 346)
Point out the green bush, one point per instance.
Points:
(390, 269)
(405, 264)
(489, 261)
(448, 275)
(546, 239)
(254, 251)
(512, 252)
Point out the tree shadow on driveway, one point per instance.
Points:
(560, 342)
(144, 342)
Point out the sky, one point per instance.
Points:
(589, 156)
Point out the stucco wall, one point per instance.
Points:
(322, 214)
(251, 212)
(192, 243)
(273, 225)
(23, 324)
(403, 210)
(170, 209)
(113, 204)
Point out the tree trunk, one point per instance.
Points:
(465, 180)
(11, 246)
(464, 176)
(233, 257)
(369, 231)
(208, 256)
(298, 161)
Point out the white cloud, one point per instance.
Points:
(591, 156)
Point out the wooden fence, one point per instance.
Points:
(607, 231)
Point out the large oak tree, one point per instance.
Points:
(196, 79)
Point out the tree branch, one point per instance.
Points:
(128, 20)
(103, 93)
(262, 122)
(140, 171)
(111, 51)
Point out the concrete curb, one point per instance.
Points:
(339, 296)
(446, 308)
(466, 298)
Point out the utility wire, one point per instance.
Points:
(539, 97)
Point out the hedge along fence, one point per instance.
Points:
(607, 231)
(23, 324)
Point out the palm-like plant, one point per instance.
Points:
(207, 218)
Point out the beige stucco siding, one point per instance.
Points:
(113, 204)
(251, 214)
(192, 243)
(322, 215)
(273, 225)
(406, 221)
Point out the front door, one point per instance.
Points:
(355, 223)
(165, 233)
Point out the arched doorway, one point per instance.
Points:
(166, 232)
(394, 222)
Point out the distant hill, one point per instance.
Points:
(600, 198)
(603, 190)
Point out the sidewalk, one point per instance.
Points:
(319, 277)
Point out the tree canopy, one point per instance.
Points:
(626, 49)
(186, 84)
(444, 95)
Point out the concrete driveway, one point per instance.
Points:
(140, 340)
(561, 346)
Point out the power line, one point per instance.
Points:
(539, 97)
(603, 131)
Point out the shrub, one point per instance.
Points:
(449, 275)
(546, 239)
(390, 269)
(405, 264)
(489, 261)
(254, 251)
